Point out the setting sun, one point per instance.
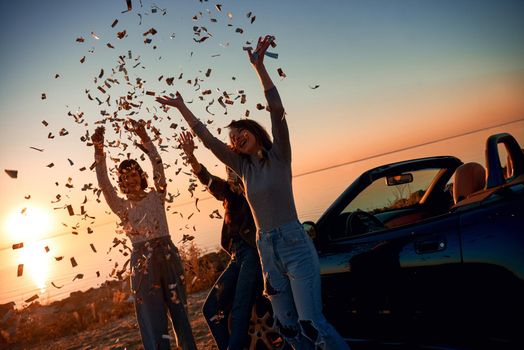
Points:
(28, 226)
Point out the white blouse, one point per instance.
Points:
(140, 220)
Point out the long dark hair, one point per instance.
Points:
(128, 165)
(256, 129)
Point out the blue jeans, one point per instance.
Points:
(157, 283)
(234, 294)
(292, 282)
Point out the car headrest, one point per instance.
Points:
(468, 178)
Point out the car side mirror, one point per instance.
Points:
(310, 228)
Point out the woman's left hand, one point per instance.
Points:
(176, 102)
(187, 143)
(257, 58)
(139, 128)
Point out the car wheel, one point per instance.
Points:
(263, 332)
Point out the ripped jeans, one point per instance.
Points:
(292, 282)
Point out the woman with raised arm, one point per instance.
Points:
(290, 263)
(157, 274)
(234, 292)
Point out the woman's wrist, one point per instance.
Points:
(99, 151)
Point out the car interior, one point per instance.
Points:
(470, 183)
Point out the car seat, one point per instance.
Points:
(469, 178)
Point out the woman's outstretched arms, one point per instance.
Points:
(113, 200)
(219, 148)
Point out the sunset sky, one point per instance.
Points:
(390, 74)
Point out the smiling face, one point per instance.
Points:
(130, 181)
(244, 141)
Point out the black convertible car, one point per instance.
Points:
(428, 253)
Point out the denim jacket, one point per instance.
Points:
(238, 220)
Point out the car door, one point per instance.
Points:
(385, 285)
(492, 233)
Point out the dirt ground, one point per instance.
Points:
(123, 333)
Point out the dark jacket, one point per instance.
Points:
(238, 220)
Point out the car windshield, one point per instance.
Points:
(379, 196)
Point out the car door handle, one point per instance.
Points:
(430, 245)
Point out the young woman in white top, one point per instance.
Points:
(157, 278)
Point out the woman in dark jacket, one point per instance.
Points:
(235, 290)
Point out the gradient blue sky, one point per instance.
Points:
(391, 73)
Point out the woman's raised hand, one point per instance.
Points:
(139, 128)
(98, 136)
(257, 58)
(176, 102)
(186, 142)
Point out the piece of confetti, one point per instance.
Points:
(129, 6)
(18, 245)
(12, 173)
(121, 35)
(78, 276)
(20, 270)
(54, 285)
(33, 298)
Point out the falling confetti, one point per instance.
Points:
(129, 6)
(121, 35)
(33, 298)
(54, 285)
(12, 173)
(20, 270)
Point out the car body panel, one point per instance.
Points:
(453, 278)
